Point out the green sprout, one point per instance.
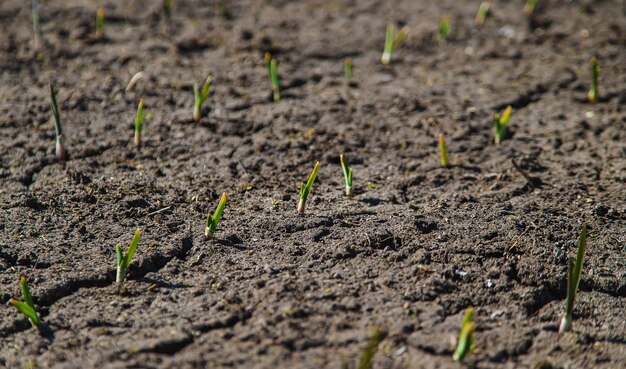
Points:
(124, 259)
(347, 68)
(466, 340)
(347, 174)
(444, 29)
(167, 9)
(200, 97)
(529, 7)
(592, 95)
(365, 362)
(100, 23)
(305, 189)
(36, 25)
(393, 40)
(574, 271)
(26, 307)
(500, 123)
(212, 221)
(272, 71)
(60, 152)
(481, 15)
(139, 123)
(443, 150)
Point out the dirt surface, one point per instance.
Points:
(414, 247)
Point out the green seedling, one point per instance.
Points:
(529, 7)
(465, 345)
(36, 25)
(347, 68)
(443, 150)
(100, 23)
(305, 189)
(200, 97)
(574, 271)
(500, 123)
(167, 9)
(212, 221)
(393, 40)
(481, 15)
(347, 174)
(139, 123)
(444, 29)
(365, 361)
(26, 307)
(272, 71)
(60, 152)
(592, 95)
(124, 259)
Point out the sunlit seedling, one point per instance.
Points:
(100, 22)
(347, 68)
(124, 259)
(26, 307)
(365, 361)
(465, 344)
(167, 9)
(139, 123)
(443, 151)
(481, 15)
(393, 40)
(529, 7)
(200, 96)
(213, 220)
(444, 29)
(272, 71)
(60, 152)
(347, 174)
(500, 123)
(36, 25)
(305, 189)
(592, 95)
(574, 271)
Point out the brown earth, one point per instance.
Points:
(414, 247)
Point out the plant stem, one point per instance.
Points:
(592, 95)
(347, 174)
(139, 123)
(574, 272)
(305, 189)
(443, 150)
(347, 68)
(481, 15)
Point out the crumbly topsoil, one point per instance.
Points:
(414, 247)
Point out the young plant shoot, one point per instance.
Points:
(481, 15)
(167, 9)
(36, 25)
(574, 271)
(443, 150)
(365, 361)
(60, 152)
(592, 95)
(466, 340)
(100, 23)
(200, 97)
(529, 7)
(272, 71)
(500, 123)
(26, 307)
(347, 174)
(212, 221)
(305, 189)
(347, 68)
(444, 29)
(139, 123)
(124, 259)
(393, 40)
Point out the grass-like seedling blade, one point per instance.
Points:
(443, 150)
(393, 40)
(500, 123)
(36, 25)
(167, 9)
(139, 123)
(305, 189)
(574, 271)
(465, 343)
(200, 96)
(100, 21)
(444, 29)
(212, 221)
(347, 68)
(347, 174)
(26, 307)
(365, 361)
(592, 95)
(529, 7)
(274, 79)
(124, 259)
(60, 152)
(481, 15)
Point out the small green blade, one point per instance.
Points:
(131, 249)
(28, 311)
